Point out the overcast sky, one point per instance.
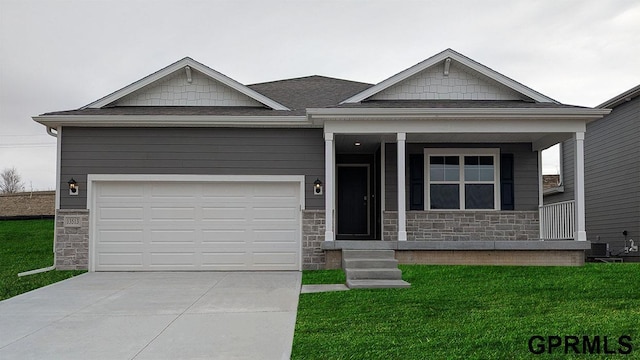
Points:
(60, 55)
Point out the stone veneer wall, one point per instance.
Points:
(313, 227)
(72, 240)
(464, 225)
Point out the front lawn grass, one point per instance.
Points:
(472, 312)
(27, 245)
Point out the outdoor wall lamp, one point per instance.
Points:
(317, 187)
(73, 187)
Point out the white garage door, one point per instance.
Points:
(147, 226)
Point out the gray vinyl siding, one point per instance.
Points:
(525, 171)
(612, 176)
(193, 151)
(567, 150)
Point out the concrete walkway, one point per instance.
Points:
(197, 315)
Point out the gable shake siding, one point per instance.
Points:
(190, 151)
(525, 168)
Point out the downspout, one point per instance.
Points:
(57, 206)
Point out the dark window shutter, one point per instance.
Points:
(416, 182)
(506, 182)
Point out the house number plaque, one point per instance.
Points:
(72, 221)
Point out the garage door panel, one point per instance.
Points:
(119, 214)
(224, 259)
(275, 236)
(233, 212)
(273, 259)
(121, 191)
(172, 213)
(274, 213)
(172, 259)
(197, 226)
(183, 237)
(121, 236)
(118, 260)
(231, 190)
(218, 236)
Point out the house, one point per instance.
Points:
(187, 169)
(611, 175)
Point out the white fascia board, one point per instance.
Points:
(178, 66)
(456, 113)
(619, 99)
(456, 126)
(436, 59)
(173, 121)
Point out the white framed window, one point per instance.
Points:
(462, 179)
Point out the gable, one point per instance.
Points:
(449, 76)
(186, 83)
(460, 83)
(177, 90)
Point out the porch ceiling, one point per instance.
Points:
(345, 143)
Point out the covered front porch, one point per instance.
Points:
(471, 193)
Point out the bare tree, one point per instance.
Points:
(10, 181)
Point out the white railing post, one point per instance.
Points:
(557, 221)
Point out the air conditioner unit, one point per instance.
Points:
(599, 250)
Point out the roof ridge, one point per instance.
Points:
(309, 77)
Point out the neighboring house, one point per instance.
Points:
(612, 174)
(187, 169)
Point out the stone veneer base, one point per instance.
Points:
(478, 257)
(72, 242)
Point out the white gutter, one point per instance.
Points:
(457, 113)
(58, 153)
(173, 120)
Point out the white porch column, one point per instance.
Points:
(329, 166)
(402, 199)
(580, 230)
(541, 223)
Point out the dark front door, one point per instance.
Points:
(353, 200)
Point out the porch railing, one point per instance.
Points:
(557, 221)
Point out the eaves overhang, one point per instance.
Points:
(587, 114)
(172, 121)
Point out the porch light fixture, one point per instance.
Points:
(317, 187)
(357, 143)
(73, 187)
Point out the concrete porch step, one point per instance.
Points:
(372, 269)
(369, 263)
(368, 254)
(373, 274)
(377, 284)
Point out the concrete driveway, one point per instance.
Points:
(179, 315)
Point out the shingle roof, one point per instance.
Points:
(297, 94)
(310, 92)
(180, 110)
